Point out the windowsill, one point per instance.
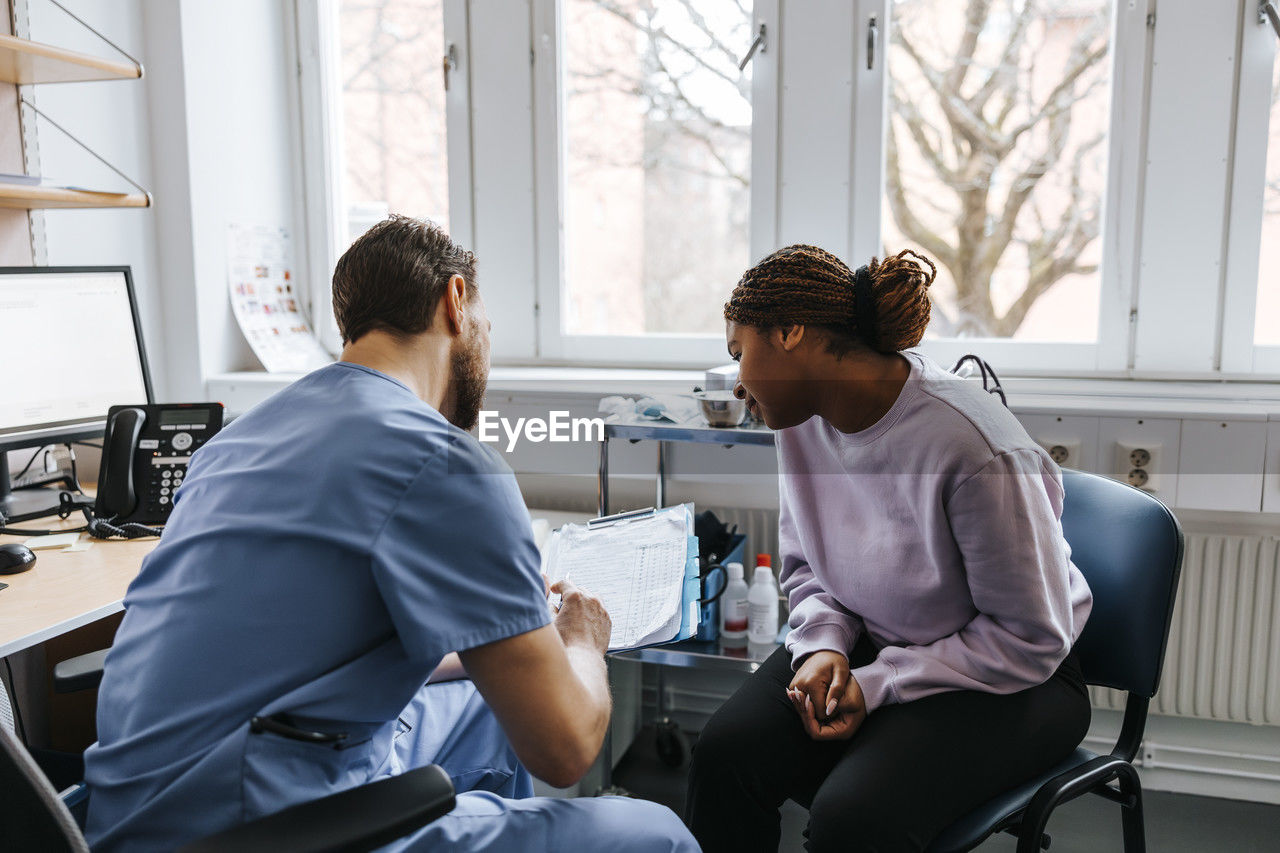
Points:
(1209, 399)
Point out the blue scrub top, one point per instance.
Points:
(325, 551)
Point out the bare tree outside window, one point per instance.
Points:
(393, 111)
(996, 160)
(657, 134)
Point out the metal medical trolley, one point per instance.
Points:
(695, 654)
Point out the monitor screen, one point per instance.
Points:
(72, 342)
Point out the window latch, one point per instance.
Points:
(873, 31)
(758, 44)
(1267, 12)
(449, 63)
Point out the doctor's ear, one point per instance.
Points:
(455, 302)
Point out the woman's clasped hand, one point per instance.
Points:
(827, 697)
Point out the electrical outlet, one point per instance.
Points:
(1138, 465)
(1065, 452)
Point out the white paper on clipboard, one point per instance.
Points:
(635, 567)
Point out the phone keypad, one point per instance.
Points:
(164, 482)
(166, 476)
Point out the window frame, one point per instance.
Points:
(1110, 354)
(556, 346)
(1121, 221)
(1257, 52)
(1164, 271)
(323, 148)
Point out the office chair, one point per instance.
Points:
(34, 817)
(1129, 548)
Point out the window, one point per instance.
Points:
(657, 136)
(996, 159)
(1266, 331)
(393, 111)
(374, 114)
(1094, 199)
(1000, 172)
(652, 161)
(1251, 333)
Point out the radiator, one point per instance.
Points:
(1223, 657)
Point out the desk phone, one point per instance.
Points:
(145, 453)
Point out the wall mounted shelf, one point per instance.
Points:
(26, 197)
(24, 62)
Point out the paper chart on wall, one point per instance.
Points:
(266, 301)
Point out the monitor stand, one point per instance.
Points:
(24, 504)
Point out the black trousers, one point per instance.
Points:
(906, 774)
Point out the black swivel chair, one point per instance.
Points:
(34, 817)
(1129, 548)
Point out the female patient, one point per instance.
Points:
(933, 599)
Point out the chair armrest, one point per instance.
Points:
(1066, 786)
(358, 819)
(79, 673)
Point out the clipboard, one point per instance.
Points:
(643, 564)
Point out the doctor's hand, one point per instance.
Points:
(581, 619)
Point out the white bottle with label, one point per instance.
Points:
(733, 604)
(762, 607)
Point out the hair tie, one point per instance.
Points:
(864, 306)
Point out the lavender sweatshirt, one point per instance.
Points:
(936, 533)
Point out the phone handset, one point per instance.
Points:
(117, 493)
(117, 497)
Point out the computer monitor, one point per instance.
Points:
(72, 345)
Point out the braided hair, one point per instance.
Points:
(883, 306)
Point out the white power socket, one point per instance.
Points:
(1138, 465)
(1065, 452)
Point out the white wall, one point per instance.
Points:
(112, 118)
(239, 150)
(210, 130)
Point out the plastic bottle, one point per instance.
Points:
(762, 604)
(733, 604)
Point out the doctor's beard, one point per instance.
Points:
(470, 377)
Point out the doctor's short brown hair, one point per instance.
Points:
(393, 275)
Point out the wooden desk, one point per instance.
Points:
(65, 591)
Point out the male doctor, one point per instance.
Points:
(328, 552)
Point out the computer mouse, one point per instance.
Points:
(15, 557)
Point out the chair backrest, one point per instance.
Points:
(1128, 546)
(31, 815)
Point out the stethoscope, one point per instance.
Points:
(705, 581)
